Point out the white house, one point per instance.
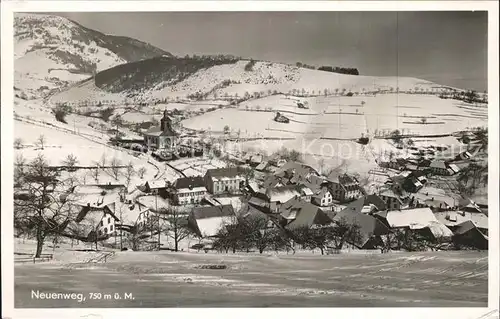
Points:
(323, 197)
(224, 180)
(438, 167)
(189, 190)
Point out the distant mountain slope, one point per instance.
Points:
(171, 78)
(51, 52)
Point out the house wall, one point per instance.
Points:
(230, 185)
(392, 203)
(191, 197)
(338, 191)
(106, 226)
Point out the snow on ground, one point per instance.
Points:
(197, 166)
(264, 77)
(156, 278)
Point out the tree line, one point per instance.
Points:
(334, 69)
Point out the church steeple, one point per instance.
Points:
(166, 122)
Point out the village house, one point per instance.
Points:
(206, 221)
(305, 193)
(463, 156)
(280, 195)
(421, 220)
(392, 200)
(439, 167)
(344, 188)
(413, 184)
(295, 173)
(297, 213)
(158, 187)
(262, 166)
(370, 228)
(453, 169)
(467, 234)
(323, 197)
(189, 190)
(224, 180)
(161, 137)
(94, 221)
(453, 218)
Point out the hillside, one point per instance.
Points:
(52, 52)
(170, 78)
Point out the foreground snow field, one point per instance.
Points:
(166, 279)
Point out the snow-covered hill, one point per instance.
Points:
(169, 81)
(52, 52)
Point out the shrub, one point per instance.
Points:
(106, 114)
(61, 111)
(249, 65)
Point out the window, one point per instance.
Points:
(105, 230)
(109, 220)
(111, 228)
(102, 223)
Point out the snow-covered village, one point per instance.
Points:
(218, 180)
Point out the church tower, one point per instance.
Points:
(165, 122)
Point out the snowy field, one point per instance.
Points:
(167, 279)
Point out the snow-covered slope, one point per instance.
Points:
(52, 52)
(167, 81)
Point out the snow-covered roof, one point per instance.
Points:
(209, 227)
(416, 218)
(455, 218)
(129, 213)
(439, 230)
(438, 164)
(282, 194)
(157, 184)
(454, 167)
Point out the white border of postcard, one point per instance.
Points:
(7, 9)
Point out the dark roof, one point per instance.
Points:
(307, 214)
(224, 172)
(368, 225)
(213, 211)
(465, 227)
(189, 182)
(375, 200)
(354, 207)
(106, 209)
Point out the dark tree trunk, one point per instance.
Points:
(40, 236)
(322, 250)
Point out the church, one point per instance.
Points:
(162, 137)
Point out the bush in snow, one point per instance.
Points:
(106, 113)
(61, 111)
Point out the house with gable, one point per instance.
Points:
(206, 221)
(344, 188)
(439, 167)
(189, 190)
(297, 213)
(224, 180)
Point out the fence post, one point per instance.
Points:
(33, 259)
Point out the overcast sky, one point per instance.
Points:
(446, 47)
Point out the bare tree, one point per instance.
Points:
(94, 173)
(18, 143)
(41, 212)
(41, 141)
(141, 172)
(115, 168)
(129, 173)
(19, 169)
(177, 227)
